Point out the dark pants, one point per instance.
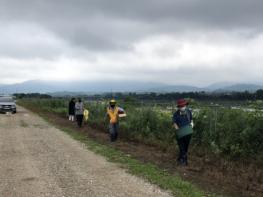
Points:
(114, 129)
(79, 120)
(183, 144)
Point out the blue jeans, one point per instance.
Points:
(114, 128)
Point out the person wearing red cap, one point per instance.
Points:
(183, 123)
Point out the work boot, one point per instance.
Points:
(185, 160)
(112, 137)
(182, 161)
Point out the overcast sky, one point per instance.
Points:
(192, 42)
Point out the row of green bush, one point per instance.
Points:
(230, 132)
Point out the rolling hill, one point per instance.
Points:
(119, 86)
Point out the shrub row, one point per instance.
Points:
(234, 133)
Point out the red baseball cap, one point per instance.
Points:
(181, 103)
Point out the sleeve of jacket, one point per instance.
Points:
(175, 118)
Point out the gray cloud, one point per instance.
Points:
(150, 38)
(113, 25)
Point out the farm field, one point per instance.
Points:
(226, 146)
(187, 79)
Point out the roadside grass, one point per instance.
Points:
(150, 172)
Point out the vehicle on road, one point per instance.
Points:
(7, 104)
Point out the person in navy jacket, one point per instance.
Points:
(183, 123)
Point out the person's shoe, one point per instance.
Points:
(182, 162)
(178, 160)
(112, 138)
(185, 163)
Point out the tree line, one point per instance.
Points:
(203, 96)
(31, 95)
(132, 96)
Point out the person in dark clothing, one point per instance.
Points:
(79, 111)
(71, 109)
(183, 123)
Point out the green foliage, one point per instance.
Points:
(58, 106)
(97, 114)
(235, 133)
(231, 132)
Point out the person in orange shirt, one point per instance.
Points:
(113, 113)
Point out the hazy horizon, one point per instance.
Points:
(223, 83)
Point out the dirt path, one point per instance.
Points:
(37, 159)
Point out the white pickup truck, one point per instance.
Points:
(7, 104)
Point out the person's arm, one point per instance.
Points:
(175, 122)
(176, 126)
(191, 119)
(106, 115)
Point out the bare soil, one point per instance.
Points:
(36, 159)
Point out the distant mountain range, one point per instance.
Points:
(118, 86)
(77, 86)
(240, 88)
(217, 87)
(176, 88)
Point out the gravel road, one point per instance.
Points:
(37, 160)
